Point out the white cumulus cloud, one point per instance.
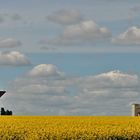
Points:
(13, 58)
(86, 32)
(108, 84)
(44, 70)
(118, 79)
(129, 37)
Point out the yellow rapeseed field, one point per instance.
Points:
(69, 128)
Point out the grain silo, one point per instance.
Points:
(135, 109)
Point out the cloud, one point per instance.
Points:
(129, 37)
(47, 70)
(86, 32)
(110, 84)
(85, 95)
(42, 89)
(9, 43)
(65, 17)
(13, 58)
(116, 79)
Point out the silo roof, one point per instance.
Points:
(2, 92)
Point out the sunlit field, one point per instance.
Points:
(69, 128)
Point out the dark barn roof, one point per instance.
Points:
(2, 92)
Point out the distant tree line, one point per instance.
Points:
(7, 112)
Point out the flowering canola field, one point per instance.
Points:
(69, 128)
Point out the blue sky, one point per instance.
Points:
(70, 57)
